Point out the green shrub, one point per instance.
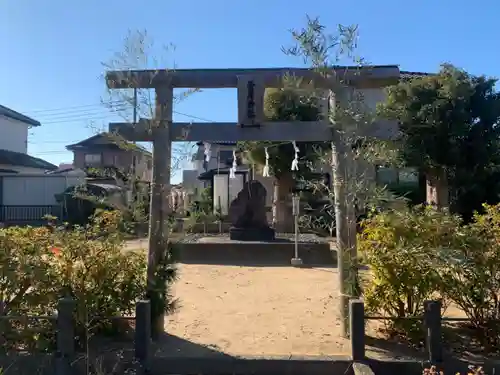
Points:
(422, 254)
(24, 284)
(24, 277)
(400, 248)
(41, 265)
(471, 275)
(91, 267)
(473, 370)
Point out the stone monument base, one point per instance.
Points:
(252, 234)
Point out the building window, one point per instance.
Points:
(408, 176)
(387, 176)
(395, 176)
(92, 159)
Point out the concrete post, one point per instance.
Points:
(142, 342)
(65, 335)
(432, 321)
(357, 329)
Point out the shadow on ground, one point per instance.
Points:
(255, 254)
(171, 346)
(171, 354)
(457, 356)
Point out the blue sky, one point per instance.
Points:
(50, 65)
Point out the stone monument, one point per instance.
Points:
(247, 213)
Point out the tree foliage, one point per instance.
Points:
(449, 121)
(285, 104)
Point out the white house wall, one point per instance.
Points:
(13, 135)
(190, 182)
(33, 190)
(235, 186)
(372, 96)
(221, 187)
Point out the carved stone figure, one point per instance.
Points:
(247, 213)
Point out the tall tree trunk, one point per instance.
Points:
(346, 232)
(284, 215)
(437, 189)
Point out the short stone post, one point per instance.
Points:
(65, 335)
(357, 329)
(142, 342)
(432, 323)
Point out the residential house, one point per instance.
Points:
(215, 173)
(106, 150)
(14, 156)
(27, 192)
(201, 174)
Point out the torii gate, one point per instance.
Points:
(251, 125)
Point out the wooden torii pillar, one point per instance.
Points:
(251, 125)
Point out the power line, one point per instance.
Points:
(84, 109)
(97, 116)
(84, 112)
(53, 152)
(76, 107)
(193, 117)
(80, 118)
(76, 113)
(89, 112)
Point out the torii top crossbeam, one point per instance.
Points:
(251, 85)
(226, 78)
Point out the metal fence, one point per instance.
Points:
(28, 214)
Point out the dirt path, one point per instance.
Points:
(258, 310)
(253, 311)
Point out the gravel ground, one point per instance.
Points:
(256, 311)
(264, 311)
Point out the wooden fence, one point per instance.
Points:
(432, 320)
(143, 348)
(65, 333)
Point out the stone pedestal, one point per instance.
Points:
(252, 234)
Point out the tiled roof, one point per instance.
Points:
(24, 160)
(410, 75)
(103, 139)
(10, 113)
(224, 155)
(210, 173)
